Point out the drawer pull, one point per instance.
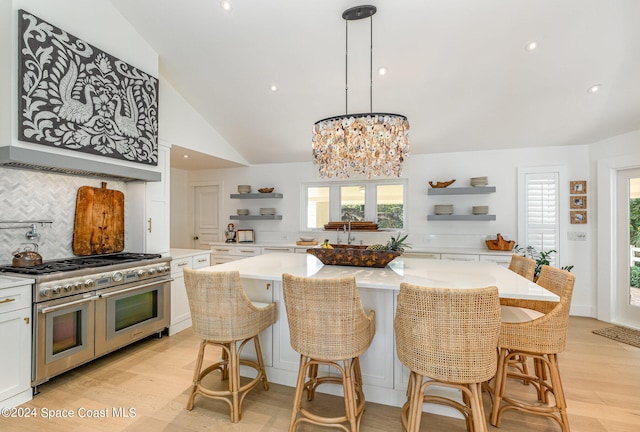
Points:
(182, 264)
(202, 260)
(9, 300)
(27, 320)
(268, 286)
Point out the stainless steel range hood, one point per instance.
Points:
(22, 158)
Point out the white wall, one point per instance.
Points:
(182, 125)
(608, 156)
(500, 166)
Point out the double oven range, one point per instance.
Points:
(86, 307)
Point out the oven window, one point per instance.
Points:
(67, 332)
(135, 309)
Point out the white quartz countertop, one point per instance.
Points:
(10, 281)
(434, 273)
(414, 249)
(181, 253)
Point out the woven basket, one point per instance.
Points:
(355, 257)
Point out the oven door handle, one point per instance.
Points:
(137, 287)
(46, 310)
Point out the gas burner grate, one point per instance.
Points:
(78, 263)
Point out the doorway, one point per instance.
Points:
(206, 225)
(627, 292)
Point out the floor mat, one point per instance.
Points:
(621, 334)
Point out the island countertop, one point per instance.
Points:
(433, 273)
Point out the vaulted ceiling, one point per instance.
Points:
(459, 70)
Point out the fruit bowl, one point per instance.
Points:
(266, 190)
(347, 256)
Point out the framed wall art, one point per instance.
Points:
(76, 97)
(578, 202)
(579, 187)
(578, 216)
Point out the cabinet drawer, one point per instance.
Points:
(272, 249)
(247, 251)
(498, 259)
(423, 255)
(178, 264)
(460, 257)
(223, 250)
(15, 298)
(201, 261)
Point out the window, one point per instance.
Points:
(381, 202)
(538, 210)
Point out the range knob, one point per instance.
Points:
(117, 276)
(67, 287)
(45, 292)
(56, 290)
(88, 283)
(141, 273)
(152, 271)
(163, 269)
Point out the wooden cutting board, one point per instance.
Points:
(99, 224)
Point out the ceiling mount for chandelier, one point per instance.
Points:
(370, 144)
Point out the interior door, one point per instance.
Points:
(627, 300)
(206, 216)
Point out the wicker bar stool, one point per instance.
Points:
(449, 336)
(524, 266)
(328, 326)
(537, 330)
(223, 316)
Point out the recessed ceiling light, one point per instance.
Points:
(226, 5)
(531, 46)
(382, 70)
(186, 156)
(273, 88)
(594, 88)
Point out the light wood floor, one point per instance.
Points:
(152, 377)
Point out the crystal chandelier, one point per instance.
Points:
(360, 144)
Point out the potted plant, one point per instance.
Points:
(540, 257)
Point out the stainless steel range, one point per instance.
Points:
(86, 307)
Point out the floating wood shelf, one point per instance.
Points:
(256, 217)
(256, 195)
(462, 190)
(487, 217)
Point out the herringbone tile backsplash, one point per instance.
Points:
(27, 195)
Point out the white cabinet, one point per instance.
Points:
(180, 312)
(15, 340)
(227, 252)
(503, 260)
(260, 291)
(460, 257)
(276, 249)
(424, 255)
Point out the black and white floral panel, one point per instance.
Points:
(76, 97)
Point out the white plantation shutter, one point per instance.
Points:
(541, 210)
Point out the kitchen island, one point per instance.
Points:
(385, 378)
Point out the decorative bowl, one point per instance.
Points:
(266, 190)
(267, 211)
(242, 212)
(243, 189)
(307, 239)
(354, 257)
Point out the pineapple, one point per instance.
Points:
(395, 244)
(377, 247)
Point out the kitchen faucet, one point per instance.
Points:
(344, 229)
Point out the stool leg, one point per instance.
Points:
(297, 397)
(196, 375)
(265, 382)
(224, 370)
(348, 386)
(415, 404)
(479, 420)
(558, 391)
(234, 382)
(499, 385)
